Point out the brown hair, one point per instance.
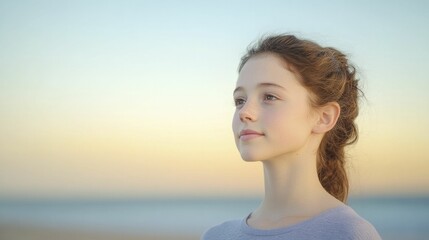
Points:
(329, 77)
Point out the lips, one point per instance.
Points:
(248, 134)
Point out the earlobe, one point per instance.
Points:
(327, 117)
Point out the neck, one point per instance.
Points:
(292, 187)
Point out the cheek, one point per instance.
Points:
(235, 123)
(276, 120)
(236, 128)
(286, 127)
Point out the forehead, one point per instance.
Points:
(267, 68)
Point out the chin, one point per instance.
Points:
(249, 157)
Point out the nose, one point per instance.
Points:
(247, 113)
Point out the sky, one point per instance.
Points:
(134, 98)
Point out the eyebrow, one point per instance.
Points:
(261, 85)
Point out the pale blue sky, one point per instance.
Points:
(134, 67)
(388, 39)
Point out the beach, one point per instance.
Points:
(27, 232)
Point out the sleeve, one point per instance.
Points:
(213, 233)
(223, 231)
(363, 230)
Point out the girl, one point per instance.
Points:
(296, 103)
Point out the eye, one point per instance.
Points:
(270, 97)
(238, 101)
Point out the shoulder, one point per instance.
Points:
(222, 231)
(346, 222)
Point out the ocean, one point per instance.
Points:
(393, 217)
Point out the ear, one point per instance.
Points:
(327, 117)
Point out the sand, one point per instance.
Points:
(23, 232)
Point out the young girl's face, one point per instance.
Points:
(271, 102)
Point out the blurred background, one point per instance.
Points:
(115, 116)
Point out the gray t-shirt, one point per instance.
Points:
(337, 223)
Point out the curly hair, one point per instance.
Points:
(328, 76)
